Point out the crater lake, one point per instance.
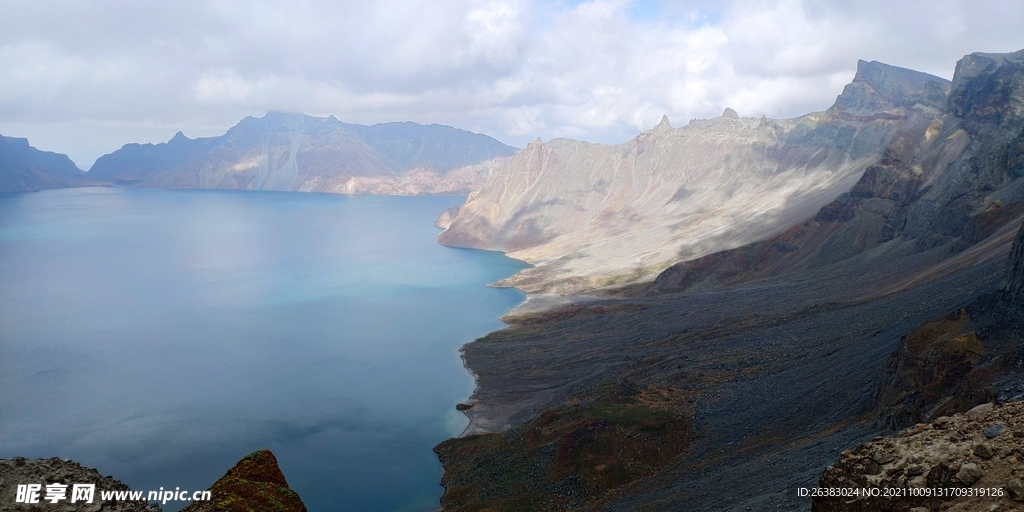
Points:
(161, 335)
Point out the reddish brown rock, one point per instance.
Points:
(255, 483)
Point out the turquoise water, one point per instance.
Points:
(161, 335)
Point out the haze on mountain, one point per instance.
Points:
(24, 168)
(283, 151)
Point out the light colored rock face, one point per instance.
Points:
(590, 216)
(418, 181)
(308, 154)
(983, 449)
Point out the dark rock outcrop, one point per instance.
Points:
(255, 483)
(879, 87)
(1014, 291)
(932, 373)
(960, 359)
(54, 470)
(24, 168)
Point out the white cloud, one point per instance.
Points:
(516, 69)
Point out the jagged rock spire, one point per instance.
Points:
(664, 125)
(730, 114)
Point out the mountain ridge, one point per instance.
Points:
(597, 217)
(952, 182)
(288, 151)
(23, 168)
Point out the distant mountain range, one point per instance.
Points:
(776, 291)
(283, 151)
(24, 168)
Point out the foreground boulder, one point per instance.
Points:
(255, 483)
(979, 453)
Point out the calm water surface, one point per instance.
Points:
(161, 335)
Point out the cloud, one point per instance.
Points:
(85, 77)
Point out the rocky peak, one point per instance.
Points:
(255, 483)
(730, 114)
(293, 122)
(988, 88)
(878, 86)
(663, 126)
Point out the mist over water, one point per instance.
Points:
(160, 336)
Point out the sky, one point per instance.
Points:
(85, 77)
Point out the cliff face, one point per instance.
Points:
(952, 182)
(302, 153)
(961, 359)
(591, 216)
(24, 168)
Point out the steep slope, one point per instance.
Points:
(591, 216)
(775, 379)
(24, 168)
(303, 153)
(957, 360)
(951, 184)
(775, 376)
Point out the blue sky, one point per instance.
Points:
(83, 78)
